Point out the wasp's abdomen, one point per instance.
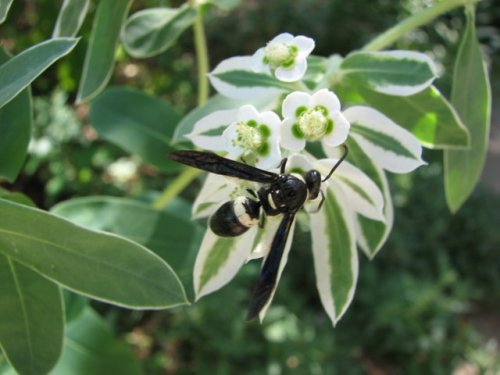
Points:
(234, 218)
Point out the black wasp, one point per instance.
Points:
(281, 194)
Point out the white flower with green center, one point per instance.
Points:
(312, 118)
(254, 136)
(286, 56)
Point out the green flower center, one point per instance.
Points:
(248, 137)
(279, 54)
(313, 124)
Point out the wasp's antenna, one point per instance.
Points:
(346, 151)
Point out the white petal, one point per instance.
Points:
(293, 101)
(288, 140)
(299, 161)
(282, 38)
(258, 64)
(247, 112)
(389, 159)
(229, 135)
(272, 120)
(272, 159)
(340, 131)
(238, 249)
(293, 74)
(305, 45)
(246, 93)
(327, 99)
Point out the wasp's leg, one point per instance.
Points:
(282, 165)
(252, 192)
(320, 202)
(262, 219)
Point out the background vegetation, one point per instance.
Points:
(427, 304)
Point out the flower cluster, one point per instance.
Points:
(356, 205)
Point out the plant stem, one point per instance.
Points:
(200, 43)
(423, 17)
(175, 187)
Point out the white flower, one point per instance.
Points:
(254, 135)
(286, 56)
(312, 118)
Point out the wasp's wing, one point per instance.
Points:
(269, 272)
(211, 162)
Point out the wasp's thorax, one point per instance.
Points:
(286, 194)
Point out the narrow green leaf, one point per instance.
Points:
(335, 256)
(31, 318)
(399, 73)
(70, 18)
(247, 78)
(100, 56)
(91, 348)
(471, 97)
(139, 123)
(4, 9)
(99, 265)
(427, 114)
(171, 234)
(17, 73)
(152, 31)
(15, 128)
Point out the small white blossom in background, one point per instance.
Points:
(312, 118)
(122, 171)
(286, 56)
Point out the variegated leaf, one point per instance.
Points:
(207, 132)
(219, 259)
(334, 252)
(371, 234)
(362, 194)
(398, 73)
(386, 143)
(235, 78)
(215, 190)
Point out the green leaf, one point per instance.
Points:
(15, 127)
(471, 96)
(4, 9)
(398, 73)
(17, 73)
(226, 5)
(171, 234)
(99, 265)
(335, 255)
(247, 78)
(371, 234)
(31, 318)
(427, 114)
(152, 31)
(100, 55)
(91, 348)
(70, 18)
(138, 123)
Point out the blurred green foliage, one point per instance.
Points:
(418, 304)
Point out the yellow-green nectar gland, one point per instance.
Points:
(313, 124)
(248, 137)
(279, 54)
